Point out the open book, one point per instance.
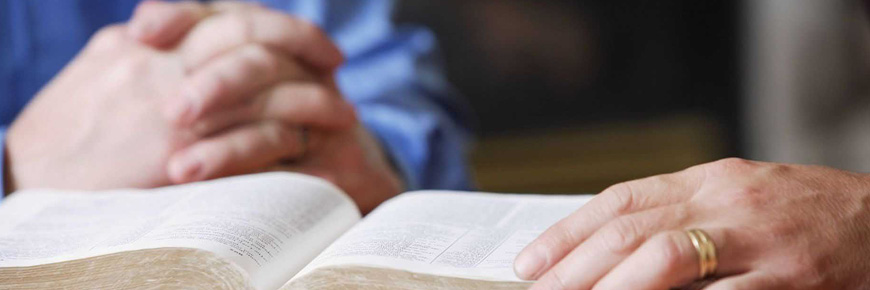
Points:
(267, 231)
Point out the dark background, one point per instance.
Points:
(560, 75)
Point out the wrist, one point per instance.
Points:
(397, 175)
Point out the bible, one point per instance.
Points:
(268, 231)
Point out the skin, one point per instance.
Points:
(775, 226)
(211, 90)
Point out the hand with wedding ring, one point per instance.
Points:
(729, 224)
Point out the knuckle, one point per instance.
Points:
(729, 165)
(322, 96)
(131, 66)
(281, 139)
(231, 152)
(212, 87)
(261, 60)
(318, 98)
(735, 162)
(240, 21)
(620, 198)
(560, 236)
(779, 169)
(218, 153)
(108, 38)
(294, 26)
(146, 8)
(305, 27)
(807, 270)
(667, 250)
(781, 230)
(560, 278)
(621, 236)
(274, 133)
(285, 90)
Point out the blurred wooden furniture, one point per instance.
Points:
(587, 159)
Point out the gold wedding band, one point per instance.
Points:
(706, 252)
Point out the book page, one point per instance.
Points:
(269, 224)
(458, 234)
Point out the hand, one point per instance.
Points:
(99, 123)
(354, 161)
(273, 95)
(775, 226)
(339, 150)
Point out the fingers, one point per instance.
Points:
(224, 25)
(667, 260)
(238, 151)
(296, 38)
(618, 200)
(611, 245)
(296, 104)
(162, 24)
(308, 104)
(670, 253)
(229, 80)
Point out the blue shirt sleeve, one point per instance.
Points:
(394, 78)
(401, 94)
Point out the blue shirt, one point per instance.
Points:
(392, 74)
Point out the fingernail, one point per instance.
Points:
(185, 169)
(529, 263)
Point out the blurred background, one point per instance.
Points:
(575, 95)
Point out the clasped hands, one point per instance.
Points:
(187, 92)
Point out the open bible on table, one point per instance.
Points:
(267, 231)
